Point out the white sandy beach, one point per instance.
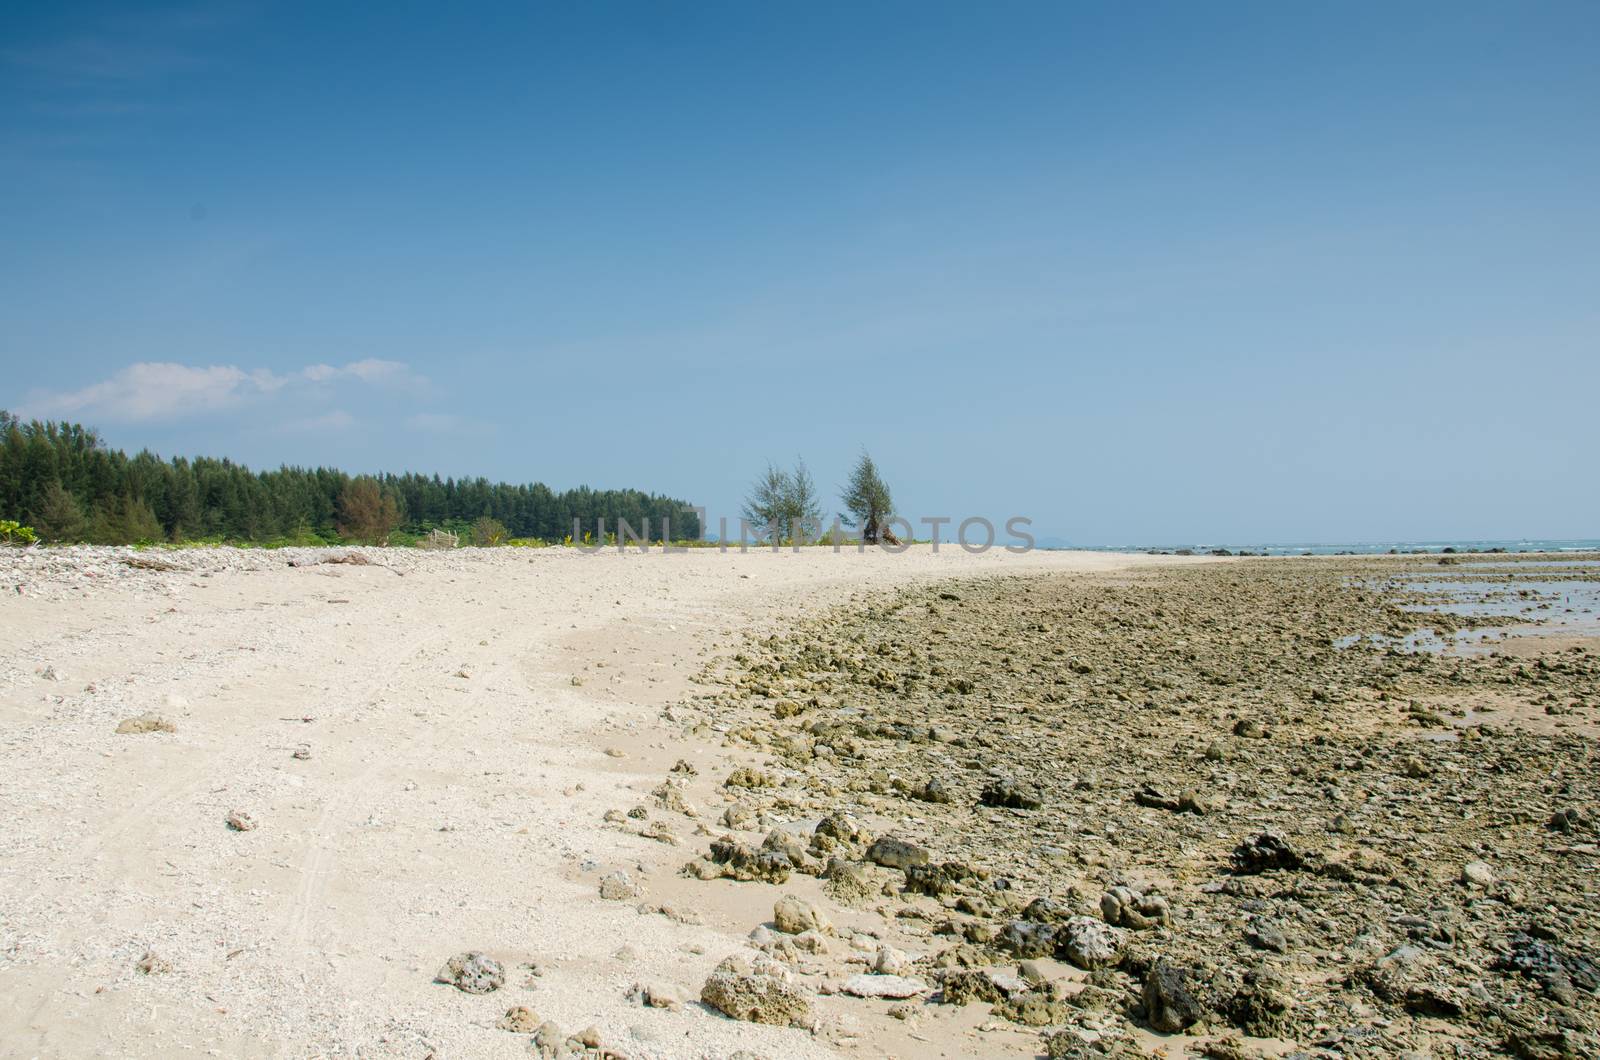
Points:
(452, 800)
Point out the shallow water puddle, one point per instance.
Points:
(1539, 606)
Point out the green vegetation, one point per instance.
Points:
(368, 513)
(786, 502)
(14, 533)
(866, 499)
(62, 480)
(487, 532)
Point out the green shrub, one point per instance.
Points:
(488, 532)
(14, 533)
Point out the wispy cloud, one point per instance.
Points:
(126, 47)
(337, 420)
(433, 421)
(370, 370)
(101, 58)
(99, 73)
(160, 391)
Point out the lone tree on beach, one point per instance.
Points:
(866, 497)
(784, 503)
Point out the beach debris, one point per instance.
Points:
(152, 964)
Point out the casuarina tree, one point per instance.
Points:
(784, 503)
(867, 501)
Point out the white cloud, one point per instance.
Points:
(158, 390)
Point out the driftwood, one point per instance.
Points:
(354, 559)
(149, 563)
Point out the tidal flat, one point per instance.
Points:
(1236, 809)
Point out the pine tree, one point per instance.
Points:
(867, 501)
(60, 516)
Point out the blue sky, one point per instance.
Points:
(1142, 272)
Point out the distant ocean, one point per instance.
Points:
(1588, 544)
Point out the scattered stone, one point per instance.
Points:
(895, 853)
(849, 884)
(1026, 938)
(1155, 798)
(1195, 801)
(981, 985)
(472, 973)
(145, 723)
(1148, 675)
(1037, 1006)
(842, 829)
(1169, 1005)
(890, 961)
(758, 993)
(549, 1042)
(1264, 853)
(897, 987)
(1126, 907)
(1477, 874)
(1265, 935)
(1089, 943)
(617, 886)
(669, 796)
(656, 995)
(1010, 794)
(793, 915)
(519, 1019)
(739, 861)
(1557, 969)
(936, 881)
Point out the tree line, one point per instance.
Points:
(66, 483)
